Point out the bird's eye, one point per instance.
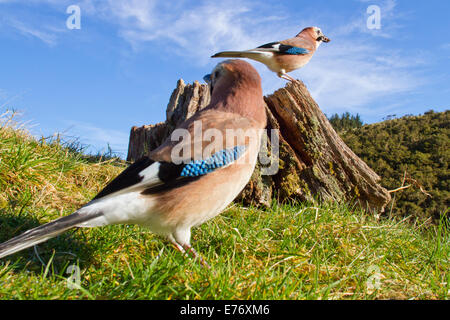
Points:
(216, 74)
(318, 32)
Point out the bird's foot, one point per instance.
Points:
(186, 249)
(195, 255)
(288, 77)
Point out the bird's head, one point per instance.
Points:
(236, 87)
(315, 33)
(231, 74)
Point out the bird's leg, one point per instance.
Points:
(180, 240)
(288, 77)
(283, 75)
(177, 245)
(194, 253)
(185, 249)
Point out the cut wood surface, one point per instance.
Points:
(314, 163)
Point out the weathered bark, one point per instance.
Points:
(329, 170)
(314, 163)
(185, 100)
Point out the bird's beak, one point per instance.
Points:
(207, 78)
(325, 39)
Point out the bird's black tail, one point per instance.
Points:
(43, 233)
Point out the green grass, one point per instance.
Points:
(296, 251)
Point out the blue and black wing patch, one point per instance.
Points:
(173, 175)
(284, 48)
(217, 160)
(170, 175)
(292, 50)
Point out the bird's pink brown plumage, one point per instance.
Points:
(237, 103)
(283, 56)
(152, 192)
(239, 92)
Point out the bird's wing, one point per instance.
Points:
(281, 48)
(158, 171)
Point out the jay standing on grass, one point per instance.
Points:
(194, 175)
(283, 56)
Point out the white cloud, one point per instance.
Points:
(347, 74)
(191, 30)
(350, 76)
(23, 17)
(389, 20)
(98, 138)
(353, 71)
(46, 37)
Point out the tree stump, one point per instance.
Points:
(314, 163)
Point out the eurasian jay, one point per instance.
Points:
(184, 183)
(283, 56)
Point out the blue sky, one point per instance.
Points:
(120, 68)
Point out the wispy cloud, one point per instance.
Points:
(355, 71)
(46, 37)
(190, 30)
(98, 138)
(390, 18)
(347, 74)
(26, 18)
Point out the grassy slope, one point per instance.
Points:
(419, 145)
(286, 252)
